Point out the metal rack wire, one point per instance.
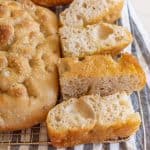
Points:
(34, 135)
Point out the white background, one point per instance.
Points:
(142, 8)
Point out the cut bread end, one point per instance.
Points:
(92, 119)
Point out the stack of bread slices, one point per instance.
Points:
(96, 76)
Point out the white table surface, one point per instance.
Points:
(142, 8)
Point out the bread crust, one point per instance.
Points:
(80, 136)
(50, 3)
(114, 13)
(29, 50)
(100, 74)
(96, 132)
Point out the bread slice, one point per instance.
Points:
(102, 38)
(99, 74)
(92, 119)
(50, 3)
(83, 12)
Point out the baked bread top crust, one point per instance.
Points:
(100, 66)
(50, 3)
(29, 49)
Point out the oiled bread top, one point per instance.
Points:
(29, 50)
(97, 66)
(49, 3)
(100, 66)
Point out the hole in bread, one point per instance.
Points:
(89, 89)
(77, 45)
(64, 68)
(118, 96)
(85, 110)
(49, 69)
(66, 96)
(57, 118)
(79, 17)
(81, 58)
(101, 89)
(84, 5)
(31, 62)
(104, 31)
(123, 103)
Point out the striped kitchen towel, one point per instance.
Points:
(20, 140)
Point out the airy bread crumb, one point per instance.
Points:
(83, 12)
(102, 38)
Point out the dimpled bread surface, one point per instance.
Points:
(29, 49)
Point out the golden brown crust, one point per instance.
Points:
(29, 50)
(50, 3)
(99, 135)
(100, 66)
(130, 59)
(114, 14)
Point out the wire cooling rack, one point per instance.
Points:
(34, 135)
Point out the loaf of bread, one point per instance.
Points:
(83, 12)
(102, 38)
(92, 119)
(50, 3)
(29, 50)
(99, 74)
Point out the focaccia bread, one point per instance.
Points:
(29, 50)
(50, 3)
(100, 74)
(92, 119)
(83, 12)
(102, 38)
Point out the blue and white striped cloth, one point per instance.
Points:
(141, 100)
